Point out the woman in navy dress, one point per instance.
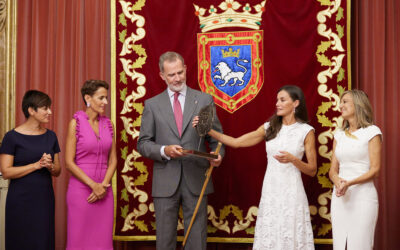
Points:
(29, 158)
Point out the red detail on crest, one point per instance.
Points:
(204, 43)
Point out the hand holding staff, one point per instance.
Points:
(208, 175)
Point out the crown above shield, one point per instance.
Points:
(250, 17)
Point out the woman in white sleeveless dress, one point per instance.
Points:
(283, 221)
(355, 163)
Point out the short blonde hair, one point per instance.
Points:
(363, 110)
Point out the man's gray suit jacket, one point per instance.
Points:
(158, 128)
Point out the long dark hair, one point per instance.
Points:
(301, 115)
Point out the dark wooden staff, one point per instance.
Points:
(208, 175)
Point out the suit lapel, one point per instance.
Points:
(190, 106)
(167, 113)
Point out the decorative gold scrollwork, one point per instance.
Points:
(332, 66)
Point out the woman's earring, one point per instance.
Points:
(294, 110)
(88, 104)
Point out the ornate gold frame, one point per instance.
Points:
(323, 150)
(8, 101)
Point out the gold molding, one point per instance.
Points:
(11, 45)
(209, 239)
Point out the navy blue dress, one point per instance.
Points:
(30, 199)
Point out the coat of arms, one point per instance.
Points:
(230, 64)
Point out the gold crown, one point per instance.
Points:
(230, 18)
(230, 53)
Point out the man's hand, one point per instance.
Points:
(195, 121)
(173, 151)
(215, 162)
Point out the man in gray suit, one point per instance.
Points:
(177, 179)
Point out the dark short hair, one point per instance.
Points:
(91, 86)
(169, 56)
(34, 99)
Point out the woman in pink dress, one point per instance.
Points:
(90, 156)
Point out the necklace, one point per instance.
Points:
(349, 134)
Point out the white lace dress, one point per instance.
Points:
(283, 221)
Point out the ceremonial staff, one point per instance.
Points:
(208, 175)
(206, 118)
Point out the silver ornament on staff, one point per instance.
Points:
(206, 119)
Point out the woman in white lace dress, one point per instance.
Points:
(283, 221)
(355, 163)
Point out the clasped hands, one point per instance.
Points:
(45, 162)
(175, 151)
(99, 190)
(341, 187)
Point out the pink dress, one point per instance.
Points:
(90, 225)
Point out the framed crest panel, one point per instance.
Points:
(231, 66)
